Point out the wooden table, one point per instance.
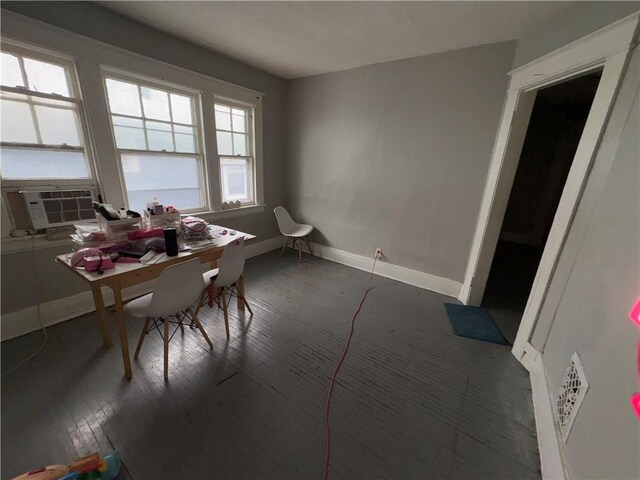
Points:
(129, 274)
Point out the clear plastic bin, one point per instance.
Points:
(117, 230)
(161, 221)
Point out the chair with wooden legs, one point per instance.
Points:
(179, 287)
(221, 282)
(295, 232)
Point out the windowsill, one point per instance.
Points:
(231, 213)
(25, 244)
(40, 242)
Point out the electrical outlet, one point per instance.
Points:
(378, 252)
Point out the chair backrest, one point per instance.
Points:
(178, 287)
(230, 264)
(285, 222)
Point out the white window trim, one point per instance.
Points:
(91, 57)
(40, 53)
(198, 126)
(251, 124)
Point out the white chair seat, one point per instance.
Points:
(295, 232)
(177, 289)
(139, 307)
(209, 275)
(300, 230)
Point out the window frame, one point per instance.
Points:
(251, 146)
(198, 126)
(89, 57)
(11, 46)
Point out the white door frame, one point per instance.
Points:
(607, 49)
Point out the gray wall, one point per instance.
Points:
(597, 279)
(101, 24)
(576, 21)
(592, 291)
(395, 155)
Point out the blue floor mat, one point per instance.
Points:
(474, 322)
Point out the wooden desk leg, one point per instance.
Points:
(240, 287)
(101, 313)
(122, 329)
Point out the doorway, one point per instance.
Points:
(555, 127)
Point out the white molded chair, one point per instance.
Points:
(223, 280)
(295, 232)
(179, 287)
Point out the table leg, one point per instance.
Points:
(101, 313)
(240, 287)
(122, 330)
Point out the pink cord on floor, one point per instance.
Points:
(335, 373)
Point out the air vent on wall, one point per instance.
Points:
(570, 396)
(55, 208)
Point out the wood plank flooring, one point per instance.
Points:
(412, 401)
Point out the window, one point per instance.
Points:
(156, 134)
(43, 136)
(234, 135)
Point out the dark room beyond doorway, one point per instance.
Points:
(555, 128)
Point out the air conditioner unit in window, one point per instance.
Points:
(53, 208)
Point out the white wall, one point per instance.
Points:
(394, 155)
(597, 287)
(597, 278)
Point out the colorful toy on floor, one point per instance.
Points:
(86, 468)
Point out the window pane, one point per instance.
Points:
(22, 163)
(237, 180)
(239, 144)
(46, 77)
(181, 109)
(123, 98)
(129, 133)
(159, 136)
(155, 103)
(11, 75)
(185, 139)
(239, 120)
(224, 143)
(58, 126)
(17, 123)
(174, 180)
(223, 120)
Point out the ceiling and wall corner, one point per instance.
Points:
(299, 39)
(567, 25)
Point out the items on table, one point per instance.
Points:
(193, 228)
(88, 234)
(163, 220)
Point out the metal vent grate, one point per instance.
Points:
(570, 396)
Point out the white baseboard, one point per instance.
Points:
(549, 442)
(427, 281)
(24, 321)
(258, 248)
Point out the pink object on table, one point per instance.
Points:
(140, 234)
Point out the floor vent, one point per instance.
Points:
(572, 391)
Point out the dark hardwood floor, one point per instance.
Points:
(412, 400)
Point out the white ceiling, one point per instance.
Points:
(297, 39)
